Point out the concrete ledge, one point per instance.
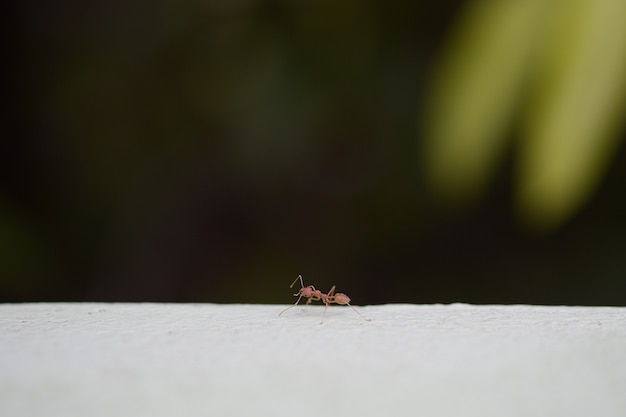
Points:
(244, 360)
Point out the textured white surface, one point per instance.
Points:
(244, 360)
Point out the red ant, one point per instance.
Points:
(311, 294)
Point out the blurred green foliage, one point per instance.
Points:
(212, 150)
(556, 69)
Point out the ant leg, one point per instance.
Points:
(327, 298)
(296, 303)
(357, 312)
(324, 312)
(343, 299)
(299, 294)
(331, 292)
(312, 298)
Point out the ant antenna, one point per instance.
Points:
(299, 294)
(295, 280)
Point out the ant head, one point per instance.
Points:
(307, 291)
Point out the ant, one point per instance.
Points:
(312, 294)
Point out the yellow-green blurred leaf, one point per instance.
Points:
(475, 89)
(574, 111)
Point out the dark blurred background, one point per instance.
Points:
(211, 151)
